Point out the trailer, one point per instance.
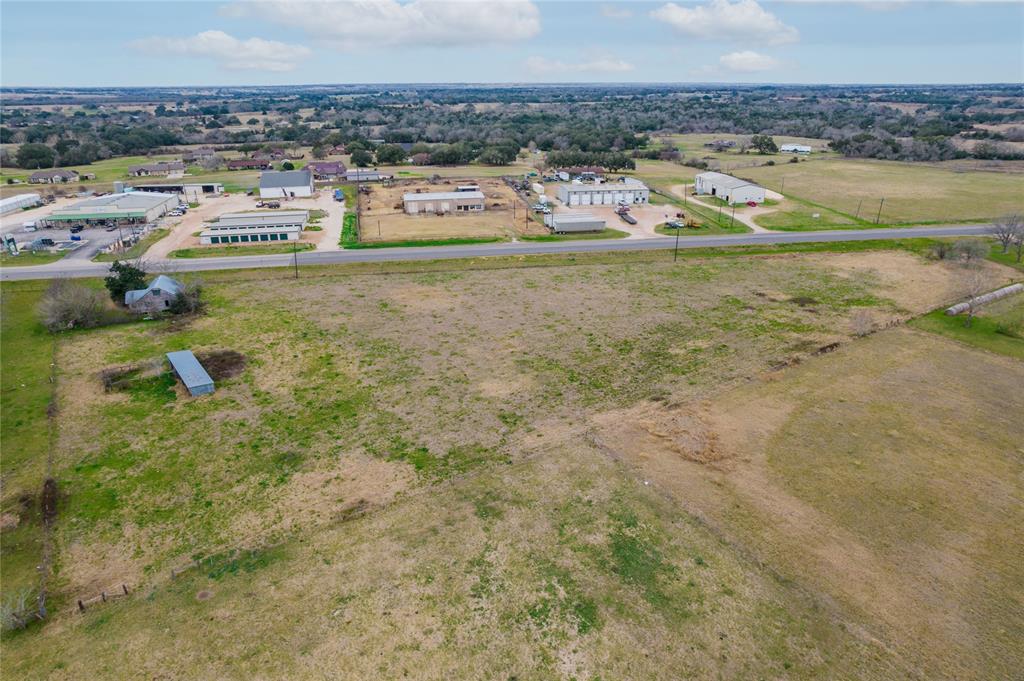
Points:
(627, 218)
(564, 223)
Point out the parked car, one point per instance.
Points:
(76, 237)
(77, 228)
(111, 228)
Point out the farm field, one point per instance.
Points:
(913, 193)
(382, 216)
(692, 145)
(402, 473)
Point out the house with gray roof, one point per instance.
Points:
(167, 169)
(156, 297)
(285, 184)
(53, 176)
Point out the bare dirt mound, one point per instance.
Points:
(652, 429)
(221, 364)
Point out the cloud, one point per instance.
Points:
(748, 61)
(740, 21)
(542, 66)
(352, 24)
(616, 12)
(231, 53)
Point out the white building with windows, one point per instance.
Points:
(262, 227)
(630, 191)
(462, 201)
(728, 188)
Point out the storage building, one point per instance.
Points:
(728, 188)
(605, 194)
(795, 149)
(284, 225)
(197, 381)
(361, 175)
(562, 223)
(443, 202)
(283, 184)
(188, 191)
(126, 208)
(17, 202)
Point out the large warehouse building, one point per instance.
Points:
(191, 191)
(728, 188)
(284, 184)
(232, 228)
(443, 202)
(129, 208)
(563, 223)
(630, 191)
(18, 202)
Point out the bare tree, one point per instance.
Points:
(68, 305)
(975, 283)
(14, 610)
(1018, 241)
(862, 322)
(1006, 230)
(970, 251)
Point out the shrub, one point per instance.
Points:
(67, 305)
(970, 250)
(190, 299)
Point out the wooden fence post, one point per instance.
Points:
(81, 606)
(125, 589)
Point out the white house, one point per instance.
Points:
(795, 149)
(284, 184)
(728, 188)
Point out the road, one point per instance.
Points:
(67, 268)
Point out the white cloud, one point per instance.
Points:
(230, 52)
(748, 61)
(616, 12)
(740, 21)
(351, 24)
(542, 66)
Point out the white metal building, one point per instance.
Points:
(604, 194)
(561, 223)
(728, 188)
(125, 208)
(443, 202)
(283, 184)
(17, 202)
(249, 235)
(795, 149)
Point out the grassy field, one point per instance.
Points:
(136, 250)
(692, 146)
(230, 250)
(913, 193)
(437, 483)
(997, 327)
(456, 241)
(25, 258)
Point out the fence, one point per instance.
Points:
(104, 597)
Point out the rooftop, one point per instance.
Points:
(725, 181)
(161, 283)
(441, 196)
(125, 201)
(273, 179)
(188, 368)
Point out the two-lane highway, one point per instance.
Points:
(91, 269)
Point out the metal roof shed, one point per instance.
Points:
(191, 372)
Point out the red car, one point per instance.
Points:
(752, 204)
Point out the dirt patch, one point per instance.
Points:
(222, 364)
(9, 521)
(652, 429)
(204, 595)
(49, 500)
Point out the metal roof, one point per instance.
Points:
(283, 217)
(569, 218)
(724, 181)
(188, 368)
(237, 231)
(125, 201)
(161, 283)
(277, 179)
(635, 185)
(441, 196)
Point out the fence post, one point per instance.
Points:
(125, 589)
(103, 595)
(81, 606)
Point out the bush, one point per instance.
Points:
(67, 305)
(190, 299)
(970, 250)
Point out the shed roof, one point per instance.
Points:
(188, 368)
(161, 283)
(725, 181)
(276, 179)
(441, 196)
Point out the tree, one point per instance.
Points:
(190, 299)
(319, 151)
(361, 158)
(390, 154)
(35, 156)
(69, 305)
(975, 284)
(1005, 230)
(124, 277)
(1018, 241)
(287, 165)
(969, 251)
(764, 144)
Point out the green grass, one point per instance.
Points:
(349, 231)
(997, 327)
(243, 249)
(607, 233)
(711, 221)
(137, 249)
(1009, 259)
(26, 258)
(461, 241)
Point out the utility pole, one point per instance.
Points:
(782, 189)
(880, 204)
(857, 216)
(732, 221)
(675, 253)
(295, 256)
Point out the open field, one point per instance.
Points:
(382, 216)
(692, 146)
(425, 479)
(25, 258)
(997, 327)
(232, 249)
(913, 193)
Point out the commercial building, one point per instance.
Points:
(232, 228)
(53, 176)
(443, 202)
(562, 223)
(196, 379)
(190, 191)
(166, 169)
(795, 149)
(124, 209)
(630, 191)
(17, 202)
(283, 184)
(156, 297)
(728, 188)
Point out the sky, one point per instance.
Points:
(282, 42)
